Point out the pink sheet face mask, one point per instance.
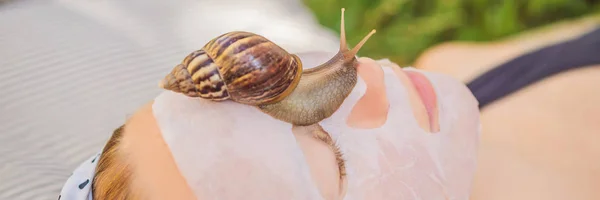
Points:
(227, 150)
(400, 160)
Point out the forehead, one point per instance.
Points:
(222, 153)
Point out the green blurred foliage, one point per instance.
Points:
(405, 28)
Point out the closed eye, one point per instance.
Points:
(320, 134)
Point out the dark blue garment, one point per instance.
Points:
(535, 66)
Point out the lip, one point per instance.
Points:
(427, 96)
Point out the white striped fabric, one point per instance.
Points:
(71, 71)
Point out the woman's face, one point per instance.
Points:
(402, 134)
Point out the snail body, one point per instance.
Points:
(321, 91)
(250, 69)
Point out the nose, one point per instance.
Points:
(371, 110)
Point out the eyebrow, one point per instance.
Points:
(320, 134)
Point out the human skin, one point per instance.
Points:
(149, 154)
(542, 141)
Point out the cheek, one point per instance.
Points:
(322, 163)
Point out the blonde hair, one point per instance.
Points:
(113, 173)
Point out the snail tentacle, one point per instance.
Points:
(322, 89)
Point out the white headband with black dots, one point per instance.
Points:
(79, 184)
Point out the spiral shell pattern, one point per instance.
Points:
(241, 66)
(205, 76)
(251, 69)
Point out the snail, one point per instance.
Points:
(250, 69)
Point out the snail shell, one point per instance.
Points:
(249, 69)
(241, 66)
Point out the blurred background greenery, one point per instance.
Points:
(405, 28)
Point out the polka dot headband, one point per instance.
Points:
(79, 184)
